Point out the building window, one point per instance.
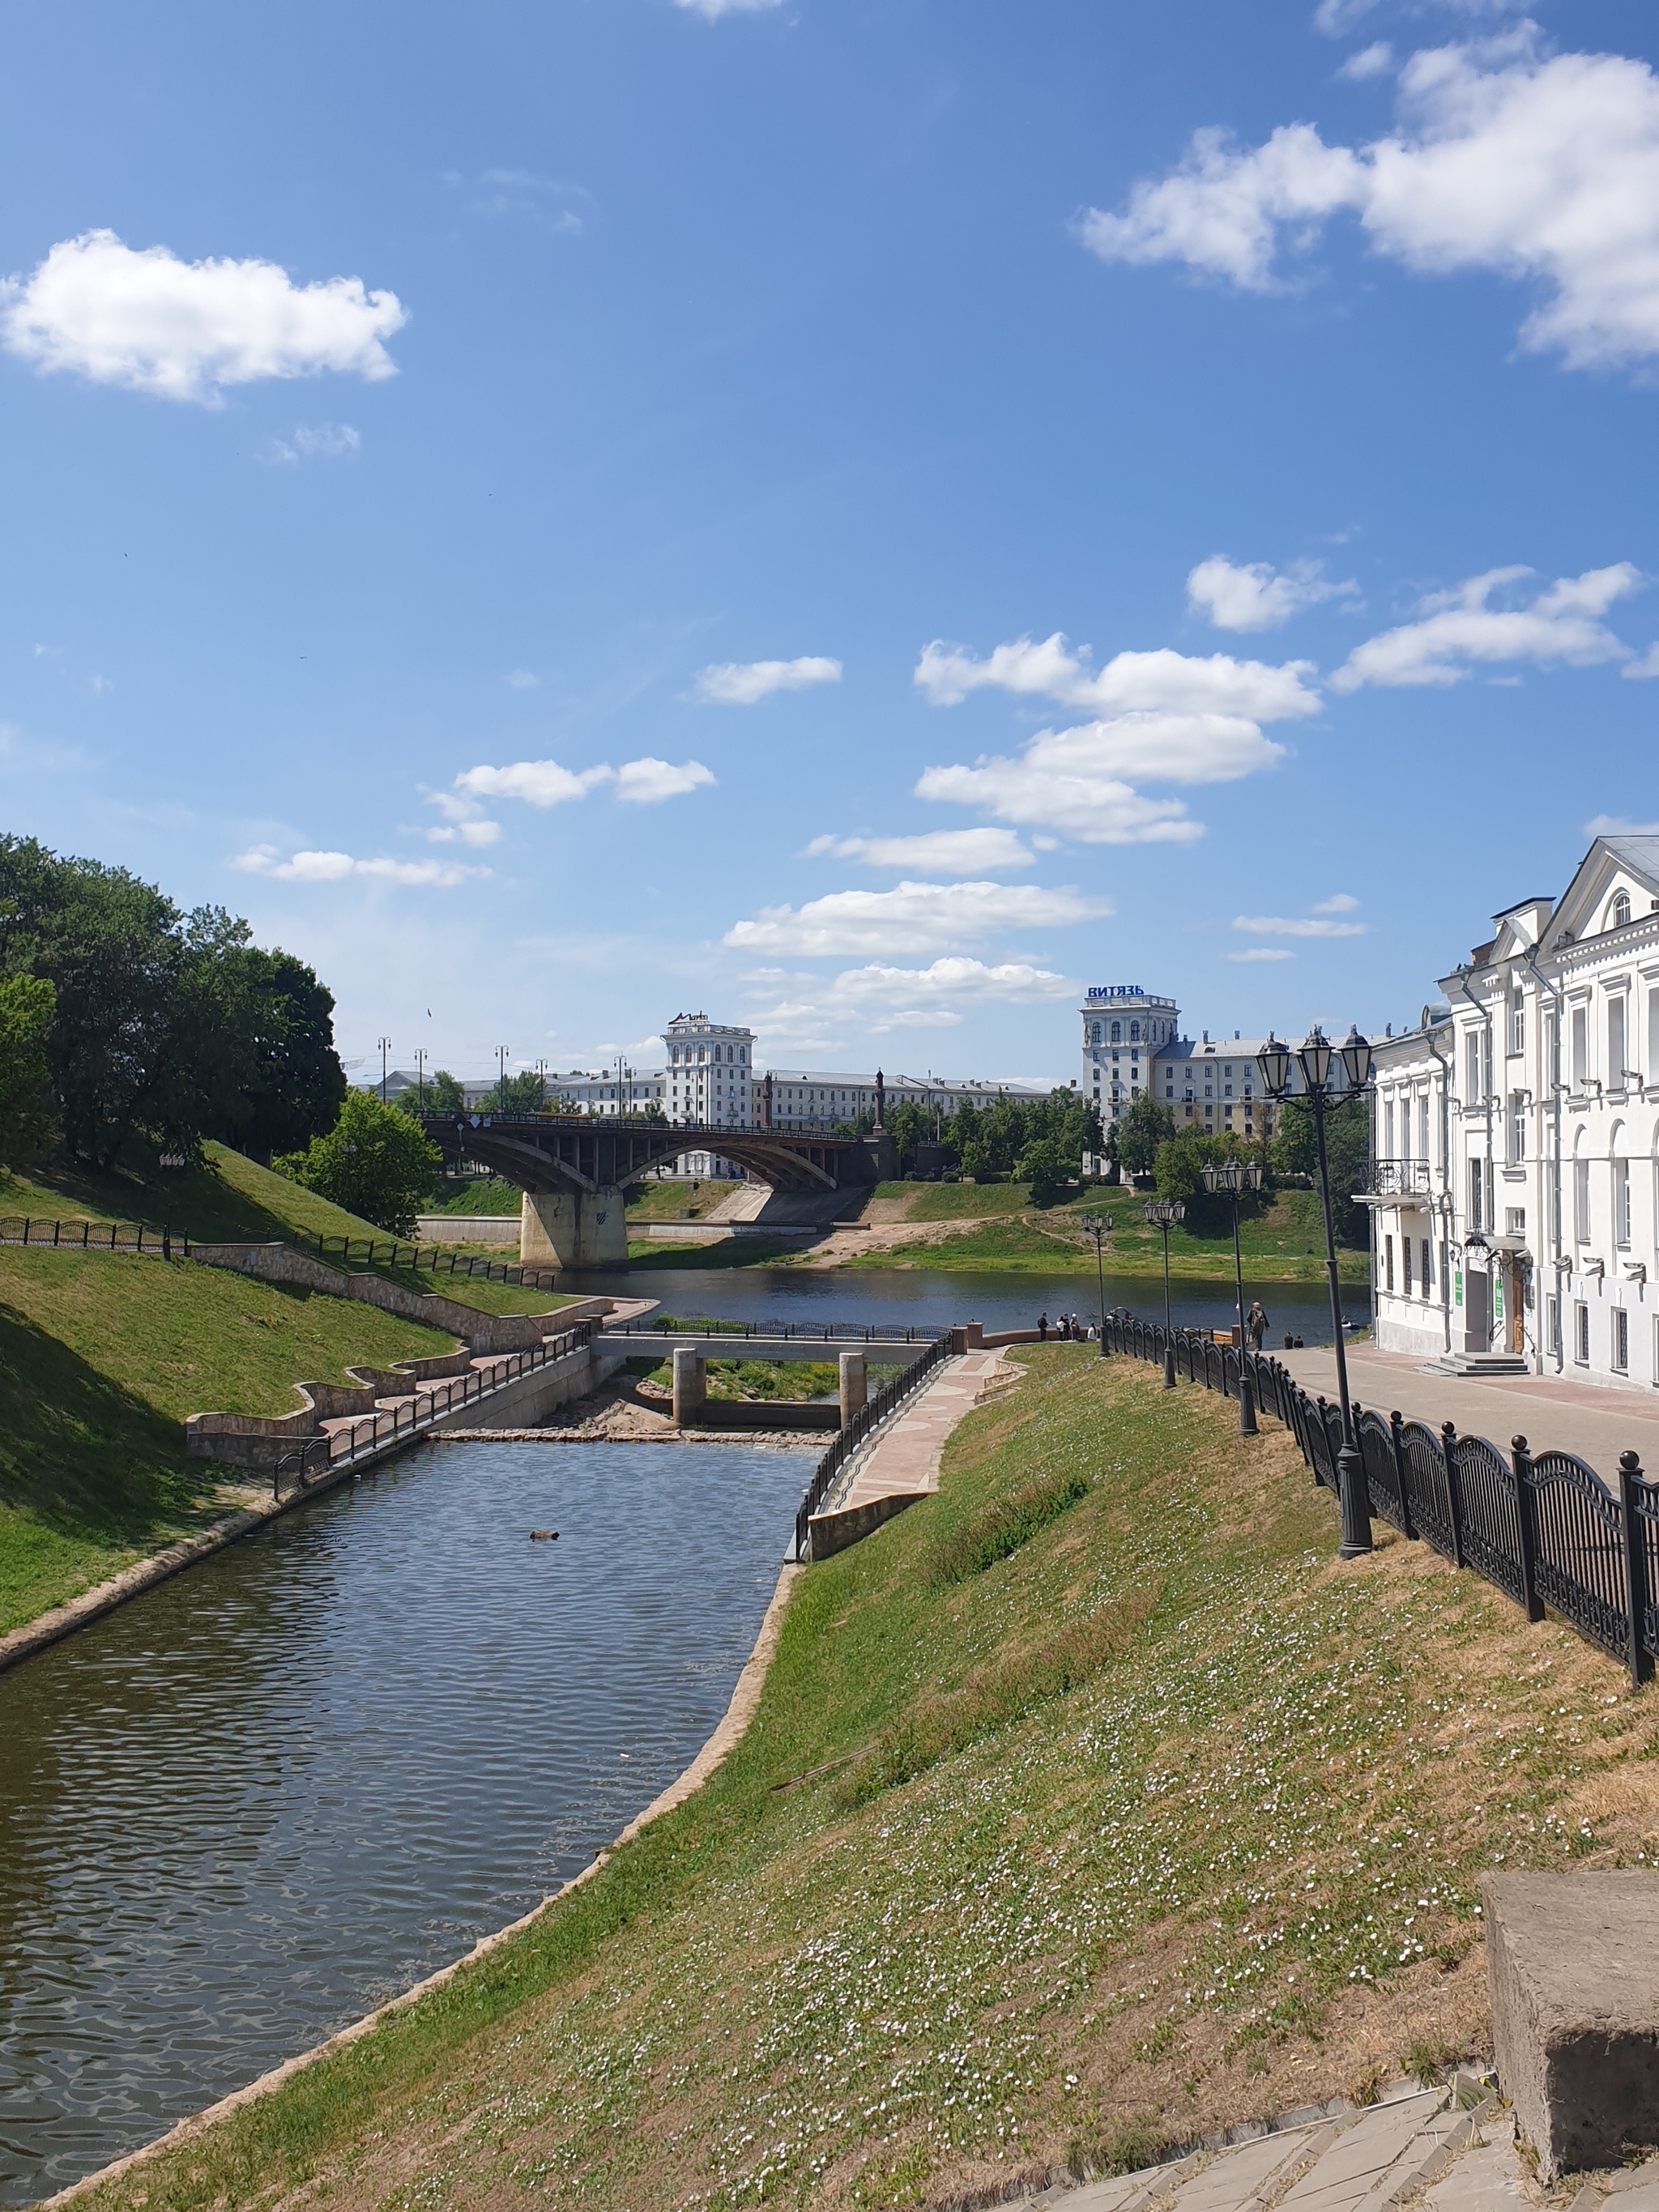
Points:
(1388, 1263)
(1428, 1251)
(1515, 1221)
(1388, 1128)
(1517, 1127)
(1581, 1200)
(1622, 1202)
(1553, 1046)
(1553, 1323)
(1580, 1047)
(1471, 1073)
(1406, 1265)
(1517, 1018)
(1620, 1341)
(1581, 1333)
(1619, 912)
(1135, 1032)
(1476, 1193)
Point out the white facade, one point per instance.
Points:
(1123, 1027)
(1516, 1135)
(710, 1076)
(806, 1098)
(1213, 1087)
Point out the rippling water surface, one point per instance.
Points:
(253, 1803)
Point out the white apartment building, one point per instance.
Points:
(1516, 1186)
(804, 1098)
(1131, 1044)
(710, 1076)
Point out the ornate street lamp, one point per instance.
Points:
(1234, 1177)
(1099, 1226)
(1307, 1073)
(1163, 1214)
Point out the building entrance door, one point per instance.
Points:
(1477, 1311)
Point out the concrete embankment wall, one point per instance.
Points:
(283, 1263)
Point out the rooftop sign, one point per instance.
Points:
(1116, 991)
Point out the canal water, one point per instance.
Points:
(911, 1298)
(268, 1795)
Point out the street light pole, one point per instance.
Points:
(501, 1061)
(1315, 1060)
(385, 1047)
(1099, 1226)
(1234, 1177)
(420, 1075)
(1163, 1214)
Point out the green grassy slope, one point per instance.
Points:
(1165, 1820)
(230, 1197)
(100, 1360)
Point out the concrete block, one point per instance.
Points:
(691, 1385)
(854, 1385)
(1574, 1965)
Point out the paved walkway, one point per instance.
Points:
(903, 1461)
(1553, 1414)
(1419, 2149)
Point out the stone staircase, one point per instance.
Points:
(1446, 2150)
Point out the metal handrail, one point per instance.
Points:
(869, 1416)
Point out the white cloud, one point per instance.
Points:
(1338, 903)
(319, 867)
(182, 330)
(553, 204)
(711, 10)
(917, 916)
(545, 783)
(1167, 717)
(1256, 596)
(940, 852)
(1370, 61)
(1262, 952)
(746, 683)
(1616, 825)
(1272, 925)
(313, 441)
(1459, 626)
(521, 679)
(644, 782)
(476, 833)
(1542, 170)
(1646, 666)
(1336, 18)
(538, 783)
(879, 998)
(1163, 681)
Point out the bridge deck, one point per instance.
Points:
(714, 1344)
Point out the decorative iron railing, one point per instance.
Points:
(81, 1236)
(1399, 1179)
(1545, 1529)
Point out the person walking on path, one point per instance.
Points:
(1042, 1327)
(1256, 1323)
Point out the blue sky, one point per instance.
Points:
(540, 506)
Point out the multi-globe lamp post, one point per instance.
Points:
(1306, 1073)
(1163, 1214)
(1234, 1177)
(1099, 1226)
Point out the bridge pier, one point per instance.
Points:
(690, 1384)
(854, 1385)
(573, 1229)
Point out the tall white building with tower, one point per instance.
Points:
(1123, 1028)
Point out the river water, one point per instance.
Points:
(262, 1798)
(911, 1298)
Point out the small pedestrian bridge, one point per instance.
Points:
(574, 1168)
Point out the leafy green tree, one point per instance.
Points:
(1347, 1151)
(292, 1084)
(1047, 1168)
(374, 1161)
(26, 1006)
(1146, 1125)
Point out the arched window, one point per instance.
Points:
(1117, 1032)
(1618, 912)
(1135, 1032)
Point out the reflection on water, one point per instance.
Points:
(272, 1792)
(911, 1298)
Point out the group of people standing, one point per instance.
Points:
(1070, 1329)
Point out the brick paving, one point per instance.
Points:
(903, 1461)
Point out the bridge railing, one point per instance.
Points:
(841, 1332)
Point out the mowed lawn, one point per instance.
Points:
(101, 1356)
(1090, 1805)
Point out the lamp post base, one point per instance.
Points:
(1246, 1406)
(1355, 1495)
(1168, 1367)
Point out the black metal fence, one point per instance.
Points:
(94, 1235)
(1544, 1527)
(426, 1260)
(790, 1332)
(387, 1426)
(874, 1411)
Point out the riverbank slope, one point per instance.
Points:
(1090, 1805)
(102, 1355)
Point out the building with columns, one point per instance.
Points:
(1515, 1186)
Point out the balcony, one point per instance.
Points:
(1399, 1179)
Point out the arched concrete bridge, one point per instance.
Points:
(574, 1168)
